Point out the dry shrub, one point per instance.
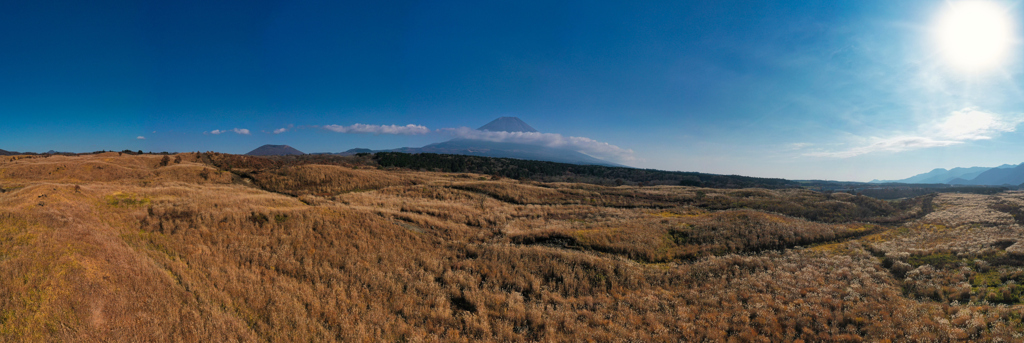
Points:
(170, 255)
(514, 192)
(193, 173)
(959, 209)
(70, 171)
(667, 237)
(325, 180)
(78, 281)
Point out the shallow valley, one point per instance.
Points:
(213, 247)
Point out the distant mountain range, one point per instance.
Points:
(483, 148)
(1002, 175)
(508, 150)
(275, 150)
(51, 152)
(1007, 174)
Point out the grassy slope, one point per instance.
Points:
(186, 252)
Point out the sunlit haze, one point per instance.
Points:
(975, 34)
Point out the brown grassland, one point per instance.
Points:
(209, 247)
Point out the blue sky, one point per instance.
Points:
(847, 90)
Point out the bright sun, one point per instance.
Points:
(975, 35)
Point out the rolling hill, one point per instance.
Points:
(230, 248)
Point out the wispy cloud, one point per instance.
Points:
(140, 137)
(581, 144)
(380, 129)
(798, 146)
(281, 130)
(892, 144)
(971, 124)
(959, 127)
(235, 130)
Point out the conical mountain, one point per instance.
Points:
(275, 150)
(509, 124)
(523, 151)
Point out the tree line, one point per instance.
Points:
(564, 172)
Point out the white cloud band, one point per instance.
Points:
(380, 129)
(581, 144)
(235, 130)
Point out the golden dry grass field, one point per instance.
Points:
(141, 248)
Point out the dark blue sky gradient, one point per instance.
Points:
(717, 86)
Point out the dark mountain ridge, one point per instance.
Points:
(275, 150)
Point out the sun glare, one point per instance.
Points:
(975, 35)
